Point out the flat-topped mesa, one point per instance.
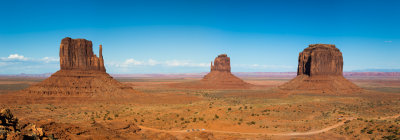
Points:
(320, 70)
(320, 59)
(221, 63)
(77, 54)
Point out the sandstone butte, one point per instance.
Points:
(320, 70)
(81, 73)
(220, 75)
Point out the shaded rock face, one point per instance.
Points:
(77, 54)
(221, 63)
(82, 73)
(320, 59)
(320, 70)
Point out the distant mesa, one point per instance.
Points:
(320, 70)
(82, 73)
(220, 77)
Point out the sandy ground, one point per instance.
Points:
(262, 112)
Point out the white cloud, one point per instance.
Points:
(180, 63)
(151, 62)
(132, 62)
(50, 59)
(388, 41)
(15, 57)
(17, 63)
(259, 66)
(20, 58)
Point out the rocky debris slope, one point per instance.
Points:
(320, 70)
(82, 73)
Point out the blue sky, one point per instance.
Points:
(183, 36)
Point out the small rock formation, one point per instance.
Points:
(220, 75)
(82, 73)
(11, 129)
(8, 124)
(320, 70)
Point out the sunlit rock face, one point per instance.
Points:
(221, 63)
(77, 54)
(320, 59)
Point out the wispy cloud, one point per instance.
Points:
(261, 66)
(151, 62)
(17, 63)
(388, 41)
(49, 59)
(180, 63)
(21, 58)
(132, 62)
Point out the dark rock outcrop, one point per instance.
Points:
(82, 73)
(8, 125)
(320, 70)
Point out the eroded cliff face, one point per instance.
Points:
(77, 54)
(221, 63)
(320, 59)
(320, 70)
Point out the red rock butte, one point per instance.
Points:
(320, 70)
(77, 54)
(81, 73)
(220, 75)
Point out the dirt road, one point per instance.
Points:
(273, 134)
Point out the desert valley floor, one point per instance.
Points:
(161, 110)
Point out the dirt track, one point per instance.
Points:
(273, 134)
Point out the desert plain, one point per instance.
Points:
(161, 110)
